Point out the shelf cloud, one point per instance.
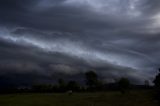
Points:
(43, 38)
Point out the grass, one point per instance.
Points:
(133, 98)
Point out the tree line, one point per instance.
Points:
(92, 84)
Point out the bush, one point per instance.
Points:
(124, 85)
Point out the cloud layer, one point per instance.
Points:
(44, 38)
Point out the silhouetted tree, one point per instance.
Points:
(123, 84)
(157, 86)
(61, 85)
(157, 81)
(92, 80)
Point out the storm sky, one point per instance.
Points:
(43, 40)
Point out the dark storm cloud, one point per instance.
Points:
(153, 5)
(56, 17)
(45, 38)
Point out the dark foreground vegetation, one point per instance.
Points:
(94, 93)
(132, 98)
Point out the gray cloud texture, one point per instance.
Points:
(43, 38)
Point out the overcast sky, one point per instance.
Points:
(43, 40)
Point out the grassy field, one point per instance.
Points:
(134, 98)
